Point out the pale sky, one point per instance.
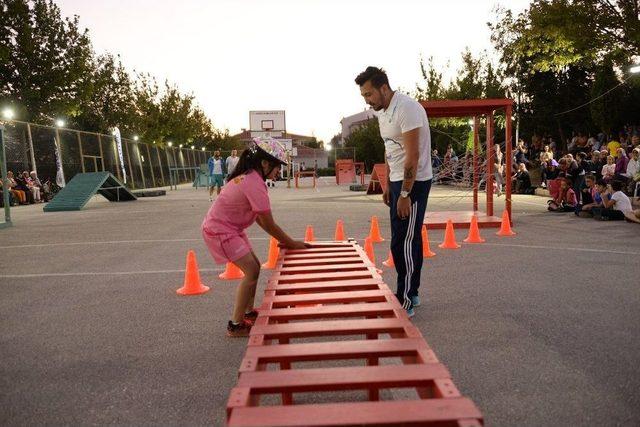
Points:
(298, 56)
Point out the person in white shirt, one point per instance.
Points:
(632, 170)
(619, 205)
(232, 161)
(404, 128)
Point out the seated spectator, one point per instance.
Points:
(12, 200)
(596, 164)
(520, 153)
(632, 170)
(18, 194)
(546, 151)
(36, 181)
(613, 146)
(618, 206)
(23, 186)
(566, 199)
(522, 180)
(608, 170)
(589, 194)
(621, 165)
(33, 188)
(592, 143)
(548, 170)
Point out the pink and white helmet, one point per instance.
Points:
(271, 147)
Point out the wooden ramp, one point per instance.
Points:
(77, 193)
(328, 324)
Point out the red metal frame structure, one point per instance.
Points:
(350, 164)
(476, 108)
(313, 296)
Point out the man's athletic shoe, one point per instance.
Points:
(250, 317)
(410, 313)
(242, 329)
(415, 301)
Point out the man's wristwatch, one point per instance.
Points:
(404, 194)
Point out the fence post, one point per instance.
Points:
(101, 153)
(80, 147)
(153, 175)
(115, 151)
(126, 148)
(3, 174)
(160, 163)
(144, 183)
(33, 156)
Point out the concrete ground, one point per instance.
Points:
(541, 329)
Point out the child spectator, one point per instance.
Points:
(608, 170)
(566, 199)
(588, 198)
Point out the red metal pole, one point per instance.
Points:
(508, 159)
(476, 141)
(490, 156)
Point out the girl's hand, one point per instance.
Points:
(296, 244)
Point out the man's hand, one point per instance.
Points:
(386, 197)
(404, 207)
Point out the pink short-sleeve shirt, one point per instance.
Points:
(238, 205)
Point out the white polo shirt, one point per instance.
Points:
(405, 114)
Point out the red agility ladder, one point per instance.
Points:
(297, 351)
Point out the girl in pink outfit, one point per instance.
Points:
(243, 201)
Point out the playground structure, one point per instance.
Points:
(347, 171)
(378, 181)
(77, 193)
(476, 108)
(308, 173)
(333, 289)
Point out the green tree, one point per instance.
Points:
(369, 146)
(44, 60)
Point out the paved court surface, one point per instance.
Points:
(539, 329)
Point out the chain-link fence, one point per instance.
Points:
(32, 147)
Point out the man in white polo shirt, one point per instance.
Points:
(404, 127)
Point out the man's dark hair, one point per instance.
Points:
(376, 75)
(616, 185)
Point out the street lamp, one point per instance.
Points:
(169, 143)
(135, 137)
(181, 145)
(60, 123)
(635, 69)
(193, 147)
(202, 148)
(7, 113)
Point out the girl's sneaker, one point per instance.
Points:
(251, 317)
(242, 329)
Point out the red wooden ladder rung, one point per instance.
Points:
(392, 413)
(357, 349)
(328, 286)
(328, 298)
(380, 309)
(343, 378)
(310, 269)
(335, 327)
(322, 261)
(298, 278)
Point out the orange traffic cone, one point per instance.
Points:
(308, 234)
(449, 238)
(505, 226)
(368, 248)
(426, 250)
(274, 252)
(389, 261)
(192, 284)
(231, 272)
(474, 232)
(339, 236)
(374, 233)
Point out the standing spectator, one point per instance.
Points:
(498, 167)
(216, 173)
(232, 161)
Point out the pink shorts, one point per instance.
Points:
(227, 247)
